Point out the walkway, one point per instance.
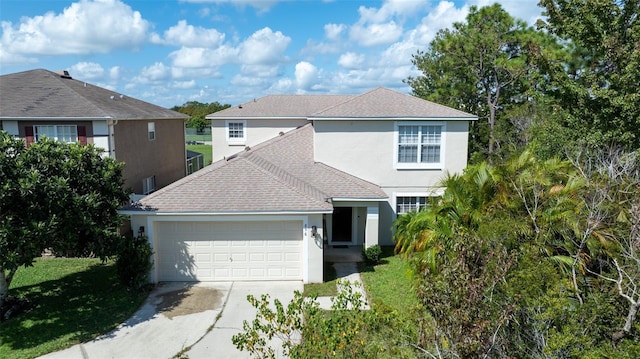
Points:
(347, 271)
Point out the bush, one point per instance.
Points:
(372, 254)
(134, 262)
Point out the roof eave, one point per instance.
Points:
(223, 213)
(439, 118)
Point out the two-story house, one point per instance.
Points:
(295, 174)
(149, 139)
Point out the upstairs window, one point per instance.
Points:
(236, 132)
(151, 130)
(148, 185)
(419, 145)
(62, 133)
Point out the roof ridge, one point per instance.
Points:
(59, 78)
(286, 178)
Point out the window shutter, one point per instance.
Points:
(28, 134)
(82, 135)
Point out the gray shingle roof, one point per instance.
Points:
(41, 93)
(377, 103)
(278, 175)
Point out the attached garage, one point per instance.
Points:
(228, 250)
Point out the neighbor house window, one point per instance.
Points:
(406, 204)
(236, 132)
(419, 145)
(62, 133)
(151, 129)
(148, 185)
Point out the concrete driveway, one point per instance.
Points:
(203, 316)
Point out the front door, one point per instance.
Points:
(342, 220)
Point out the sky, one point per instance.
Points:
(230, 51)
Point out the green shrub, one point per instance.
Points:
(134, 262)
(372, 254)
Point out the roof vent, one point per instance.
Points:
(247, 148)
(281, 133)
(64, 74)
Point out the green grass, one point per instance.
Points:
(326, 289)
(206, 137)
(75, 300)
(207, 150)
(389, 284)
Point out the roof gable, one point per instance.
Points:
(45, 94)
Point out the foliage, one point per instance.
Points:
(134, 262)
(516, 258)
(303, 330)
(198, 112)
(484, 66)
(66, 294)
(596, 85)
(372, 254)
(55, 195)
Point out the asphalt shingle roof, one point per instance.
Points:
(377, 103)
(41, 93)
(279, 175)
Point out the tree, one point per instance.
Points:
(483, 66)
(596, 86)
(58, 196)
(198, 112)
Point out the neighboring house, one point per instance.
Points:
(294, 174)
(149, 139)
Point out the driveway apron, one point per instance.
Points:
(177, 316)
(217, 343)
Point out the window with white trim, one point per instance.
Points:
(405, 204)
(151, 130)
(62, 133)
(236, 132)
(419, 145)
(148, 185)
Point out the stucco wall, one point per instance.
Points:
(257, 131)
(366, 149)
(164, 157)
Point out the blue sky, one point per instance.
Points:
(230, 51)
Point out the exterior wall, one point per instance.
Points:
(257, 131)
(366, 149)
(313, 252)
(164, 157)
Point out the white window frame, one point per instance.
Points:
(416, 195)
(419, 165)
(236, 140)
(151, 131)
(148, 185)
(56, 133)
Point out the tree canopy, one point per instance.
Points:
(198, 112)
(58, 196)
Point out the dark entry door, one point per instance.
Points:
(342, 224)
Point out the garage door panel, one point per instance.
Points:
(210, 251)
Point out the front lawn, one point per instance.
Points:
(326, 289)
(74, 300)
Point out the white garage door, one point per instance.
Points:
(221, 251)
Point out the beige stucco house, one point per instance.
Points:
(296, 175)
(149, 139)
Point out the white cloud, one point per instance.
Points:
(351, 60)
(202, 57)
(334, 31)
(266, 71)
(392, 8)
(154, 73)
(87, 71)
(85, 27)
(187, 35)
(184, 85)
(249, 81)
(114, 72)
(375, 34)
(264, 47)
(306, 75)
(261, 6)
